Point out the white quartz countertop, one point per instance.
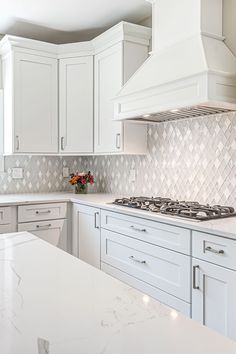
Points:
(53, 303)
(221, 227)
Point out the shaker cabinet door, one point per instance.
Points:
(108, 82)
(76, 105)
(213, 297)
(35, 104)
(86, 234)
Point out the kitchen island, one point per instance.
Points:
(53, 303)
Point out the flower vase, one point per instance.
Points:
(81, 189)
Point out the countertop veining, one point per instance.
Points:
(222, 227)
(53, 303)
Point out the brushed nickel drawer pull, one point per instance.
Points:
(17, 143)
(62, 143)
(194, 277)
(118, 141)
(43, 212)
(137, 260)
(212, 250)
(96, 225)
(137, 229)
(43, 226)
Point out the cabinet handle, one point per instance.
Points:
(137, 260)
(62, 143)
(118, 141)
(43, 226)
(43, 212)
(96, 225)
(137, 229)
(17, 143)
(212, 250)
(194, 277)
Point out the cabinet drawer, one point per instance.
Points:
(36, 212)
(168, 236)
(163, 297)
(5, 215)
(53, 231)
(167, 270)
(4, 229)
(214, 249)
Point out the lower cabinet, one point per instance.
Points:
(86, 234)
(7, 219)
(52, 231)
(46, 221)
(213, 297)
(156, 271)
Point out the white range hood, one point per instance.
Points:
(190, 72)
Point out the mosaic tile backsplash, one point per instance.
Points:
(191, 159)
(41, 174)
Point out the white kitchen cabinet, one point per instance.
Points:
(7, 219)
(76, 104)
(151, 256)
(52, 231)
(164, 269)
(47, 221)
(30, 103)
(113, 67)
(213, 297)
(86, 234)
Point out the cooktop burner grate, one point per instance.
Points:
(185, 209)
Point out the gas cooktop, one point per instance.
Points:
(167, 206)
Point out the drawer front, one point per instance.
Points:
(163, 297)
(168, 236)
(4, 229)
(214, 249)
(5, 215)
(166, 270)
(37, 212)
(53, 231)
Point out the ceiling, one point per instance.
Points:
(64, 21)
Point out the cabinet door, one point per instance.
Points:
(76, 105)
(108, 82)
(213, 297)
(35, 104)
(52, 231)
(86, 234)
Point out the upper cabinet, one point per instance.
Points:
(119, 53)
(30, 103)
(81, 79)
(76, 104)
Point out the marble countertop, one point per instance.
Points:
(53, 303)
(221, 227)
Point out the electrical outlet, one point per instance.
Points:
(65, 172)
(132, 175)
(17, 173)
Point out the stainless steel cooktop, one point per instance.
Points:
(186, 209)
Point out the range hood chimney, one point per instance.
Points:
(190, 72)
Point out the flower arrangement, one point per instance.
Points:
(81, 181)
